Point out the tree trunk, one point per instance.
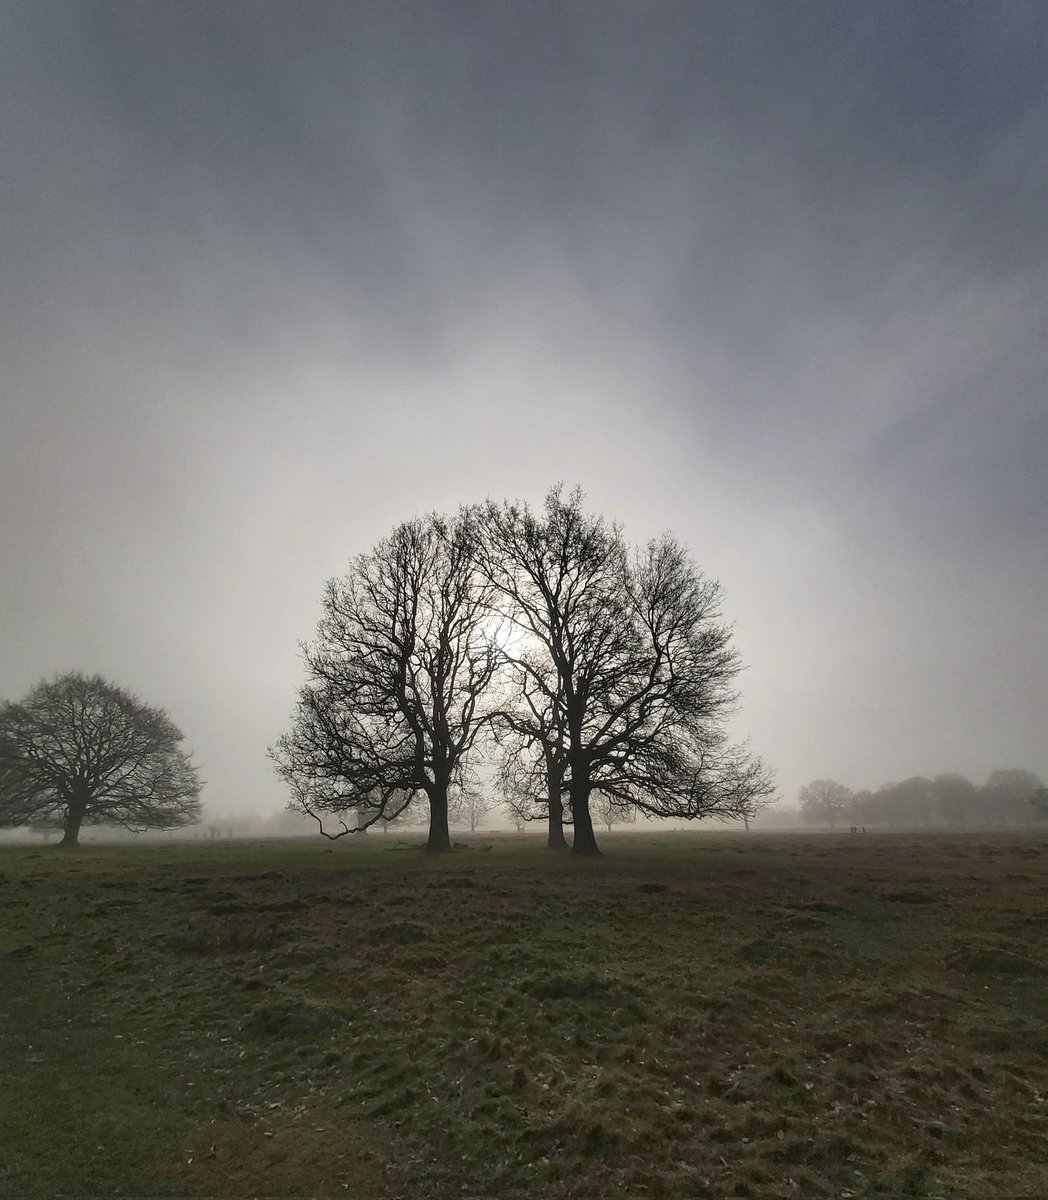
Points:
(555, 840)
(439, 834)
(585, 840)
(74, 818)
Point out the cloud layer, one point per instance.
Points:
(774, 277)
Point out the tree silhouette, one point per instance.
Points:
(80, 750)
(824, 800)
(627, 659)
(398, 675)
(469, 805)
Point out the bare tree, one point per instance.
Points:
(519, 783)
(80, 750)
(415, 813)
(516, 817)
(398, 677)
(470, 805)
(610, 814)
(627, 659)
(824, 800)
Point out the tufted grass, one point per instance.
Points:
(711, 1015)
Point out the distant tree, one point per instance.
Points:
(79, 750)
(916, 801)
(289, 823)
(863, 808)
(514, 814)
(413, 813)
(824, 801)
(911, 802)
(1039, 803)
(626, 657)
(399, 674)
(470, 806)
(955, 800)
(1013, 779)
(46, 828)
(514, 783)
(1007, 795)
(610, 814)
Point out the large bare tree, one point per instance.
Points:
(399, 676)
(80, 750)
(627, 657)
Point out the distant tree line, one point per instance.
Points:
(1009, 799)
(590, 670)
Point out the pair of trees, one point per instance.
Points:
(589, 667)
(78, 751)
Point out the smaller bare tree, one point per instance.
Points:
(79, 750)
(609, 813)
(470, 806)
(519, 822)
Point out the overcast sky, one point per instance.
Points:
(774, 276)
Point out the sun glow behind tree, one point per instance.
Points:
(596, 668)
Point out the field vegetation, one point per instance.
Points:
(693, 1015)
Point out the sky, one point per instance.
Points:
(773, 276)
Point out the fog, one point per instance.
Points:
(773, 277)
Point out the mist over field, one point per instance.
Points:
(277, 277)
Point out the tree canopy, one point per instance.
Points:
(824, 800)
(398, 676)
(624, 668)
(599, 669)
(80, 750)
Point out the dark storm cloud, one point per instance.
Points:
(277, 275)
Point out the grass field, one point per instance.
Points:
(715, 1015)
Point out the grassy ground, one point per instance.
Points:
(720, 1015)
